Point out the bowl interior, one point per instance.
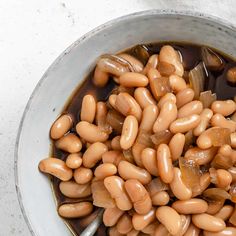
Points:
(68, 71)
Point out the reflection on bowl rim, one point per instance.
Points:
(194, 14)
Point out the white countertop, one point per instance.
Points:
(32, 34)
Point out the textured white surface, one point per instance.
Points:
(32, 34)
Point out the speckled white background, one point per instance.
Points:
(32, 34)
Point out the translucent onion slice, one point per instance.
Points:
(141, 52)
(115, 120)
(190, 172)
(207, 98)
(155, 186)
(197, 77)
(128, 155)
(221, 162)
(216, 194)
(161, 137)
(144, 138)
(189, 140)
(101, 197)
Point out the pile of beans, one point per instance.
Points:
(155, 157)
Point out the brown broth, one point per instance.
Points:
(191, 54)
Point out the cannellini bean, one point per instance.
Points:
(133, 232)
(192, 230)
(129, 171)
(161, 230)
(191, 206)
(232, 171)
(225, 108)
(113, 231)
(61, 126)
(169, 218)
(223, 178)
(169, 55)
(205, 117)
(88, 108)
(165, 98)
(179, 189)
(176, 146)
(93, 154)
(161, 198)
(113, 157)
(208, 222)
(149, 117)
(115, 143)
(112, 100)
(124, 224)
(69, 143)
(74, 160)
(164, 163)
(116, 187)
(133, 79)
(228, 231)
(83, 175)
(185, 222)
(184, 96)
(233, 139)
(152, 63)
(141, 221)
(177, 83)
(137, 151)
(105, 170)
(143, 97)
(183, 125)
(91, 132)
(101, 113)
(75, 210)
(227, 151)
(111, 216)
(136, 64)
(191, 108)
(168, 114)
(139, 196)
(56, 167)
(220, 121)
(225, 212)
(150, 229)
(127, 105)
(73, 190)
(100, 78)
(149, 161)
(129, 132)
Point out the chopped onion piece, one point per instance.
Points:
(141, 52)
(189, 140)
(221, 162)
(197, 77)
(216, 194)
(144, 138)
(161, 137)
(115, 120)
(207, 98)
(155, 186)
(128, 155)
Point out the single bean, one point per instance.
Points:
(177, 83)
(143, 97)
(61, 126)
(191, 108)
(129, 171)
(205, 118)
(129, 132)
(133, 232)
(83, 175)
(233, 139)
(112, 100)
(141, 221)
(136, 64)
(176, 146)
(105, 170)
(133, 79)
(168, 114)
(228, 231)
(161, 198)
(149, 160)
(75, 210)
(225, 108)
(111, 216)
(94, 154)
(56, 167)
(73, 190)
(116, 187)
(137, 151)
(192, 231)
(100, 78)
(219, 120)
(179, 189)
(69, 143)
(91, 132)
(115, 143)
(165, 98)
(124, 224)
(183, 125)
(185, 222)
(88, 108)
(169, 218)
(201, 156)
(161, 230)
(191, 206)
(113, 231)
(150, 229)
(225, 212)
(164, 163)
(74, 160)
(232, 171)
(149, 117)
(152, 63)
(208, 222)
(227, 151)
(224, 178)
(127, 105)
(101, 113)
(139, 196)
(113, 157)
(184, 96)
